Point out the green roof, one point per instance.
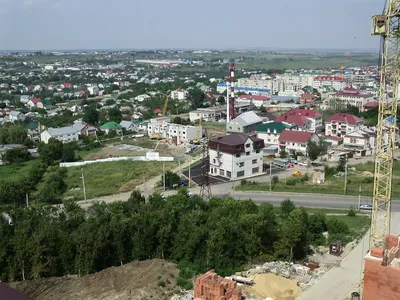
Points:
(110, 125)
(32, 126)
(278, 126)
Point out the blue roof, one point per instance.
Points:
(284, 98)
(245, 88)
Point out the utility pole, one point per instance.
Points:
(179, 163)
(27, 200)
(190, 162)
(345, 177)
(163, 167)
(83, 183)
(270, 176)
(359, 197)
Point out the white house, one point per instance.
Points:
(143, 97)
(16, 116)
(293, 141)
(352, 96)
(244, 123)
(180, 95)
(63, 134)
(183, 133)
(93, 90)
(335, 82)
(128, 125)
(360, 140)
(341, 124)
(236, 156)
(271, 131)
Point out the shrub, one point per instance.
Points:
(291, 182)
(351, 212)
(243, 182)
(329, 171)
(161, 283)
(275, 179)
(337, 226)
(368, 180)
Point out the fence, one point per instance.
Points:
(102, 160)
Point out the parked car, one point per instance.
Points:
(365, 207)
(315, 164)
(303, 163)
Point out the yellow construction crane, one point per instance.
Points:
(387, 26)
(164, 111)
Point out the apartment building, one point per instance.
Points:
(161, 128)
(363, 139)
(244, 123)
(342, 124)
(335, 82)
(352, 96)
(179, 95)
(236, 156)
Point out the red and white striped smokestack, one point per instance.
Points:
(232, 97)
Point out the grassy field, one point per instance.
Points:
(358, 226)
(109, 178)
(15, 171)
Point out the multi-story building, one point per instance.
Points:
(335, 82)
(351, 96)
(93, 90)
(179, 95)
(161, 128)
(271, 131)
(293, 141)
(313, 116)
(63, 134)
(236, 156)
(244, 123)
(361, 140)
(342, 124)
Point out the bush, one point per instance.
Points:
(161, 283)
(330, 171)
(275, 179)
(368, 180)
(351, 212)
(336, 226)
(243, 182)
(291, 182)
(305, 178)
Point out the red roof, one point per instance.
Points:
(344, 118)
(67, 84)
(308, 113)
(371, 104)
(333, 138)
(255, 97)
(329, 78)
(36, 100)
(295, 136)
(157, 111)
(293, 119)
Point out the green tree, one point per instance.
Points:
(177, 120)
(221, 100)
(54, 187)
(16, 156)
(171, 179)
(114, 114)
(12, 134)
(51, 151)
(286, 207)
(68, 152)
(91, 115)
(283, 153)
(314, 149)
(262, 109)
(197, 97)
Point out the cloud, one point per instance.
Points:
(30, 3)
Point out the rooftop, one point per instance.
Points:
(345, 118)
(234, 139)
(248, 118)
(278, 126)
(295, 136)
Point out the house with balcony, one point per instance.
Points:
(294, 141)
(360, 141)
(341, 124)
(236, 156)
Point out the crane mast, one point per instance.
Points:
(388, 27)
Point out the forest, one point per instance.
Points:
(223, 234)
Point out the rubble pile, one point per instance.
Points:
(305, 275)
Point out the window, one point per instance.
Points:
(240, 174)
(247, 145)
(241, 164)
(254, 161)
(230, 127)
(247, 153)
(257, 151)
(238, 155)
(255, 170)
(214, 160)
(221, 172)
(228, 174)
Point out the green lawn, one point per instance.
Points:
(109, 178)
(358, 226)
(16, 171)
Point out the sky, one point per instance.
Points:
(187, 24)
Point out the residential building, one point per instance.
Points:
(302, 123)
(35, 102)
(236, 156)
(182, 133)
(341, 124)
(84, 129)
(255, 100)
(63, 134)
(293, 141)
(314, 116)
(360, 140)
(93, 90)
(271, 131)
(351, 96)
(179, 95)
(111, 126)
(128, 125)
(143, 97)
(335, 82)
(216, 113)
(244, 123)
(16, 116)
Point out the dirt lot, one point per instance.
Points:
(273, 286)
(137, 280)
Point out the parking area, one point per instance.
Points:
(197, 176)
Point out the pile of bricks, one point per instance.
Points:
(382, 272)
(210, 286)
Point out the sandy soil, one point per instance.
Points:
(133, 281)
(273, 286)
